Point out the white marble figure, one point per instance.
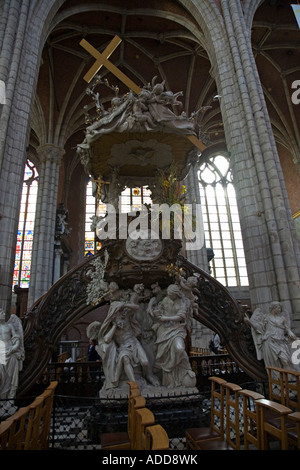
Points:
(150, 110)
(143, 338)
(119, 346)
(12, 354)
(189, 288)
(148, 333)
(272, 336)
(141, 296)
(170, 326)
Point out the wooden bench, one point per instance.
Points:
(292, 389)
(293, 434)
(148, 435)
(231, 440)
(122, 440)
(143, 418)
(155, 438)
(13, 430)
(140, 419)
(216, 429)
(250, 418)
(272, 424)
(284, 386)
(29, 427)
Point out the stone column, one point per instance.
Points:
(58, 252)
(13, 138)
(197, 257)
(44, 229)
(271, 247)
(23, 24)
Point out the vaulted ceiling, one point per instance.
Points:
(157, 41)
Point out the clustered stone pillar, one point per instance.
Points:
(199, 333)
(13, 133)
(44, 230)
(271, 248)
(199, 256)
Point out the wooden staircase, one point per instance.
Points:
(66, 302)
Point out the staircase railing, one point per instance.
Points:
(66, 302)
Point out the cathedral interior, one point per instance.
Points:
(231, 70)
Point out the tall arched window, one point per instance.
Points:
(131, 200)
(221, 222)
(26, 226)
(91, 245)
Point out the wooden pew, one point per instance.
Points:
(284, 386)
(250, 418)
(29, 427)
(155, 438)
(276, 384)
(13, 430)
(34, 424)
(272, 424)
(292, 389)
(149, 436)
(122, 440)
(46, 415)
(143, 418)
(39, 421)
(216, 429)
(229, 442)
(293, 434)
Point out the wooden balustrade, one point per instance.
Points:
(75, 377)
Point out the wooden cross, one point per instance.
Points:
(102, 59)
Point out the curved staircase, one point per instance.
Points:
(66, 301)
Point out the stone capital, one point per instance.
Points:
(50, 152)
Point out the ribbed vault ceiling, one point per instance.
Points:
(158, 40)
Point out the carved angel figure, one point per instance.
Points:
(272, 336)
(12, 354)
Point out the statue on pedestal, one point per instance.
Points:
(171, 326)
(120, 348)
(273, 336)
(11, 354)
(142, 339)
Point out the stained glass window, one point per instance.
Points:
(22, 265)
(132, 199)
(91, 244)
(221, 222)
